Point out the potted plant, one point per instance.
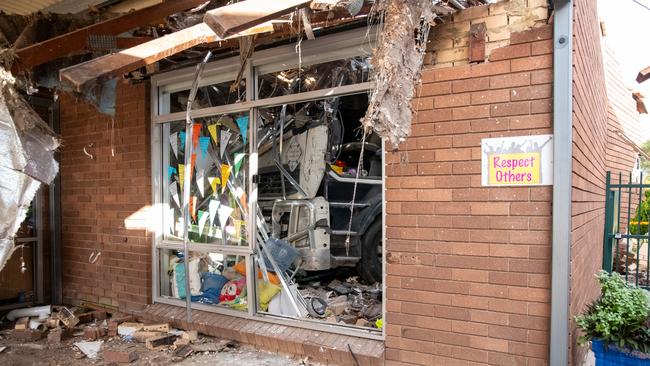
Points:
(617, 323)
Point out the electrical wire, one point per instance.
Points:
(642, 4)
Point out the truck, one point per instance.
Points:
(320, 183)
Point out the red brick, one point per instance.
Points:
(119, 355)
(532, 35)
(510, 80)
(532, 63)
(510, 109)
(510, 52)
(472, 112)
(462, 86)
(451, 100)
(490, 96)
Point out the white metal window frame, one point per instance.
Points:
(324, 49)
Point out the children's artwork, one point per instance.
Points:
(200, 182)
(213, 207)
(171, 171)
(181, 175)
(193, 207)
(239, 159)
(204, 143)
(224, 214)
(225, 174)
(196, 133)
(214, 181)
(212, 129)
(203, 219)
(242, 123)
(173, 140)
(182, 137)
(173, 191)
(225, 137)
(239, 192)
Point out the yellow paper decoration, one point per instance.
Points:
(181, 174)
(213, 132)
(225, 174)
(214, 181)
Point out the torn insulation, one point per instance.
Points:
(25, 163)
(397, 63)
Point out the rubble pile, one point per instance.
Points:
(95, 334)
(348, 302)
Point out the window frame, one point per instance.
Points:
(324, 49)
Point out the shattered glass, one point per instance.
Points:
(315, 77)
(208, 96)
(215, 278)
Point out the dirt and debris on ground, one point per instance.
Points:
(348, 302)
(74, 336)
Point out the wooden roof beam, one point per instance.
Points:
(228, 20)
(72, 42)
(113, 65)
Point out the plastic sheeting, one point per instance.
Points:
(27, 148)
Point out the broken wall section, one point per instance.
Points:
(449, 42)
(106, 200)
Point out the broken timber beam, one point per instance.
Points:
(51, 49)
(108, 66)
(231, 19)
(643, 75)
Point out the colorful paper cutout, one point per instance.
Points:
(214, 181)
(242, 123)
(203, 218)
(200, 182)
(196, 133)
(225, 137)
(193, 207)
(182, 136)
(173, 191)
(213, 132)
(181, 175)
(173, 140)
(225, 174)
(239, 159)
(171, 171)
(224, 214)
(213, 207)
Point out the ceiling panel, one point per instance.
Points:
(24, 7)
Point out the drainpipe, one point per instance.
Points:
(562, 173)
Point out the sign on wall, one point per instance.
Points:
(517, 161)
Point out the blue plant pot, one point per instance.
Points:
(614, 356)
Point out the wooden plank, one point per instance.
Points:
(74, 41)
(235, 18)
(116, 64)
(643, 75)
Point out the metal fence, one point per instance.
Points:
(625, 243)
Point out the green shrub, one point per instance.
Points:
(619, 316)
(639, 224)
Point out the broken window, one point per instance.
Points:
(208, 96)
(325, 75)
(288, 189)
(215, 278)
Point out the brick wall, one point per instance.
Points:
(590, 121)
(101, 197)
(468, 267)
(449, 44)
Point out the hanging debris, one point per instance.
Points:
(397, 62)
(25, 162)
